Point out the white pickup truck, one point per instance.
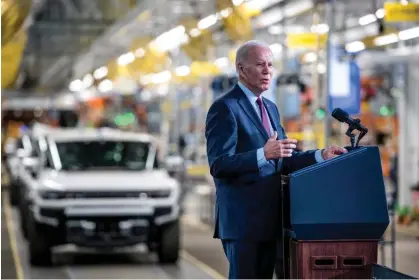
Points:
(22, 154)
(102, 189)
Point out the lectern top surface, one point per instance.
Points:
(340, 198)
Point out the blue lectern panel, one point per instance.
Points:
(342, 198)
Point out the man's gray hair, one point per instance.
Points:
(242, 51)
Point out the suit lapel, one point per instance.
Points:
(251, 113)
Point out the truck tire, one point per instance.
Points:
(40, 253)
(14, 194)
(169, 243)
(23, 219)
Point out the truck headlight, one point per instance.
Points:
(160, 193)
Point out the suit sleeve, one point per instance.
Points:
(222, 137)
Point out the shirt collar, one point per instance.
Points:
(250, 95)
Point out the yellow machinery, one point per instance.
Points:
(13, 38)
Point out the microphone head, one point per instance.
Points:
(340, 115)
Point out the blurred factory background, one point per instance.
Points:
(153, 67)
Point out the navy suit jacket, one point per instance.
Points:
(247, 197)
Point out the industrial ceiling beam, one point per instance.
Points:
(82, 9)
(77, 19)
(75, 22)
(87, 61)
(91, 9)
(71, 10)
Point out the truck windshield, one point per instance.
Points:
(103, 155)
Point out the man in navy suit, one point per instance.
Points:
(247, 150)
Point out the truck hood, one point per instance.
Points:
(107, 180)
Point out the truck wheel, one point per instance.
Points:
(169, 244)
(23, 218)
(24, 227)
(14, 194)
(40, 253)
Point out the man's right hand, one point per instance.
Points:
(275, 149)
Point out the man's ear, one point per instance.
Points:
(240, 69)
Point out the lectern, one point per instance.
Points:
(334, 215)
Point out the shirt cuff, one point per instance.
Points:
(261, 157)
(318, 156)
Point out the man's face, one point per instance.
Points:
(256, 72)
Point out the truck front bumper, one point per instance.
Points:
(101, 227)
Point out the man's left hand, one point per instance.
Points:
(333, 151)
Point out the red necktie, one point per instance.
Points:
(265, 121)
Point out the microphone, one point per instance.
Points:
(344, 117)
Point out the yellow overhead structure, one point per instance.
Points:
(306, 40)
(198, 69)
(143, 62)
(148, 56)
(369, 40)
(116, 71)
(236, 19)
(401, 12)
(11, 57)
(199, 40)
(250, 11)
(13, 15)
(152, 61)
(196, 43)
(204, 68)
(146, 60)
(112, 67)
(13, 38)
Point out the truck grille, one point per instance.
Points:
(105, 194)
